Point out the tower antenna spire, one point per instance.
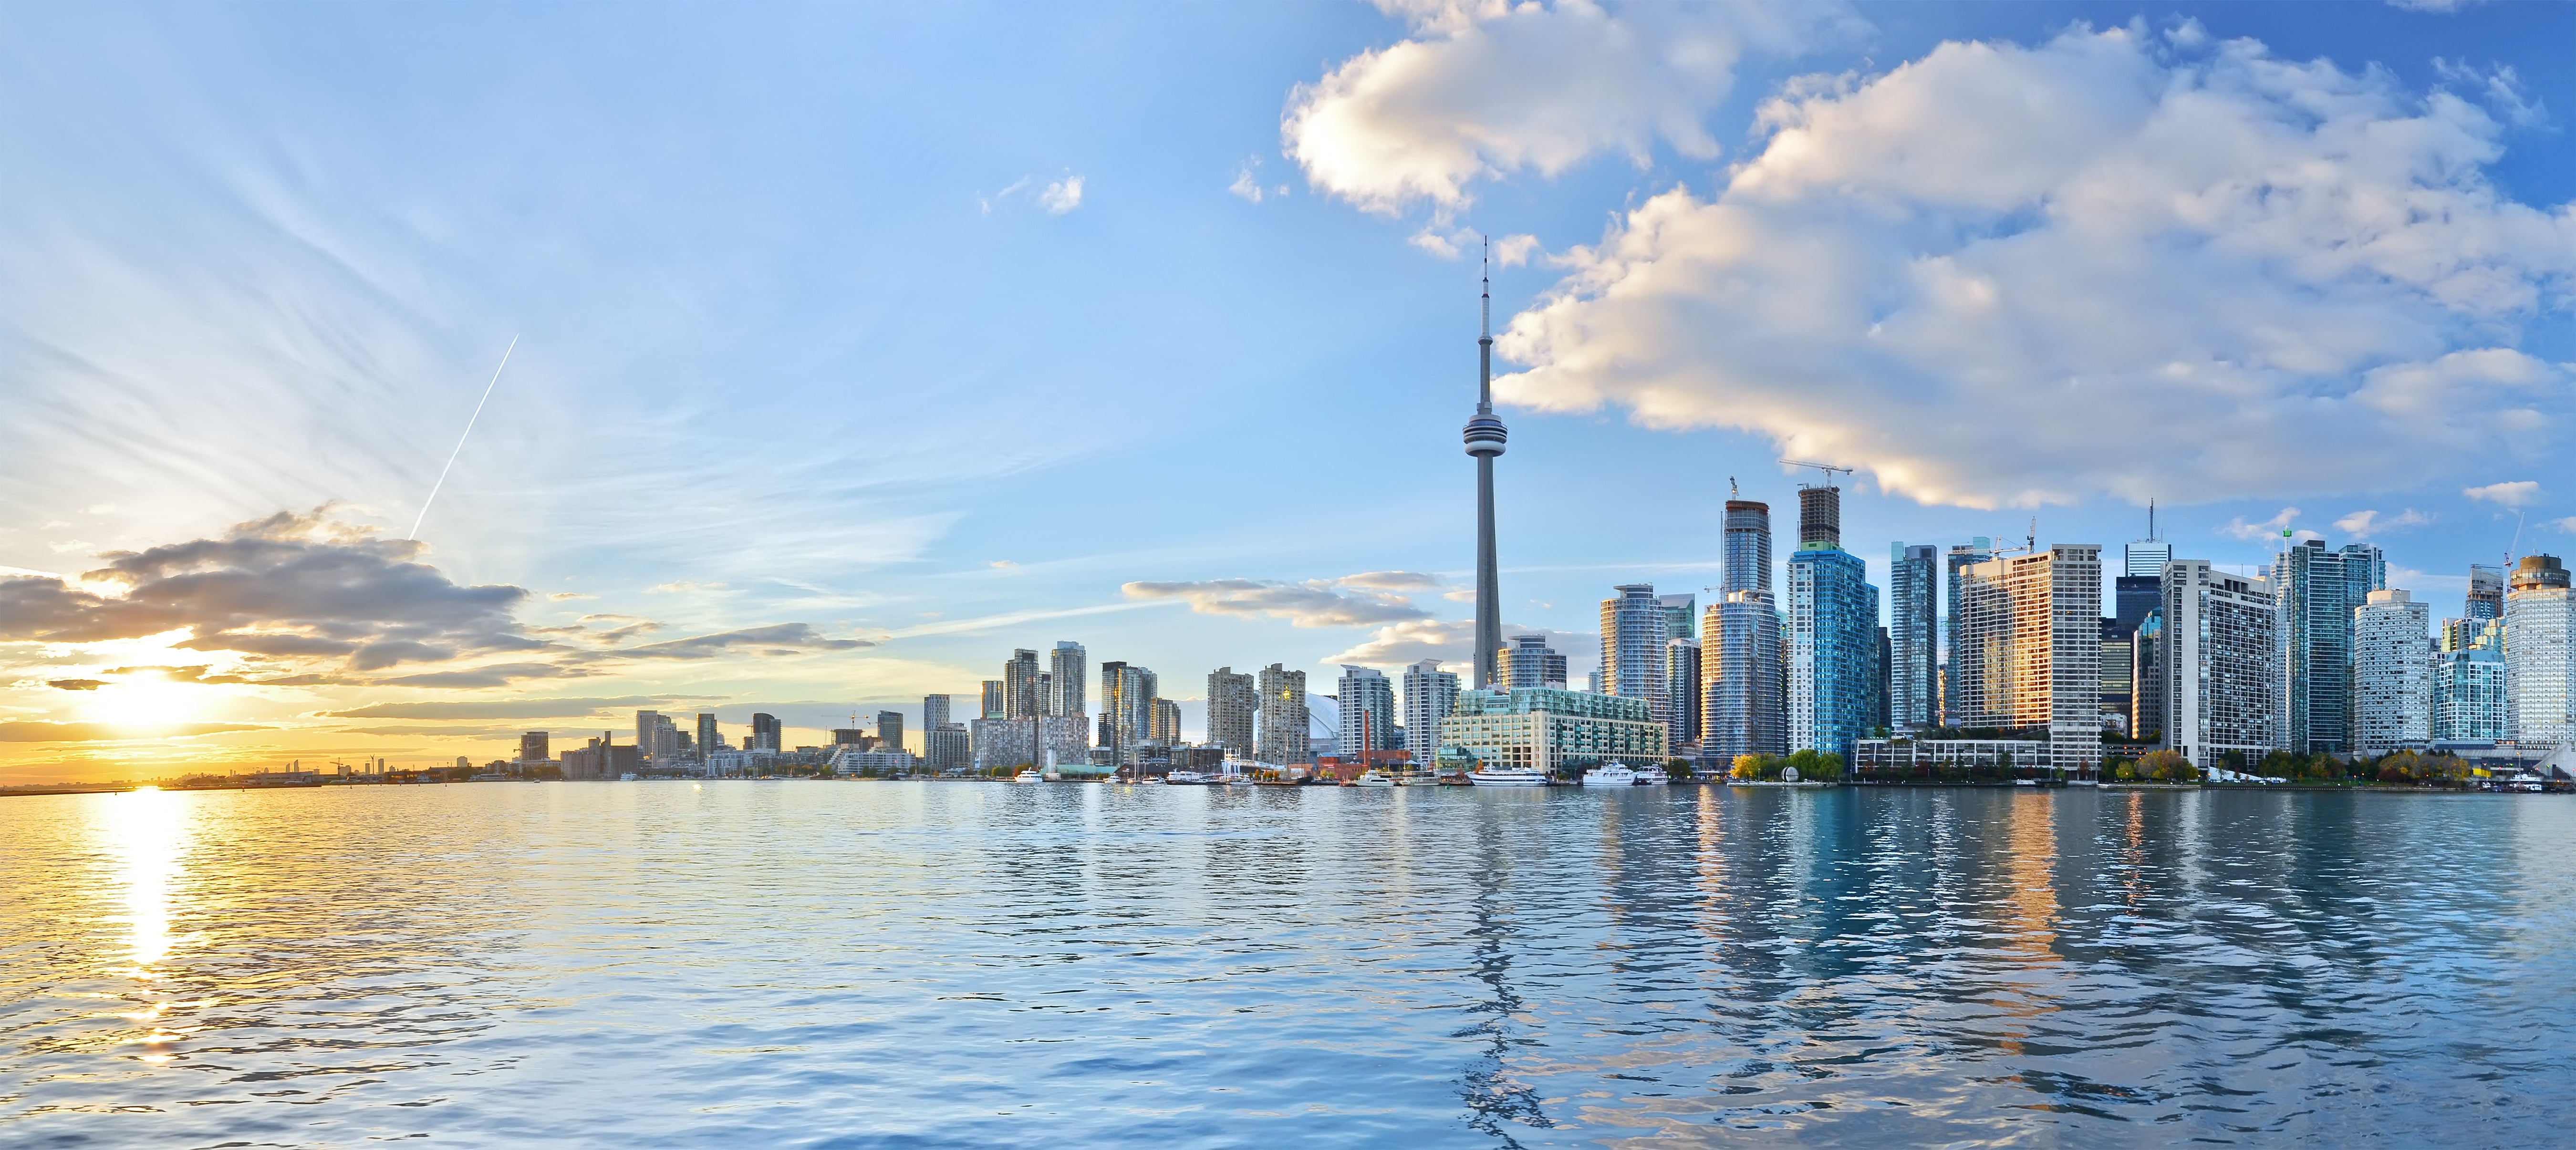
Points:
(2151, 520)
(1485, 436)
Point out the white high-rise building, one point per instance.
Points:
(2469, 681)
(2219, 657)
(2540, 653)
(1367, 712)
(1430, 695)
(2029, 653)
(2392, 673)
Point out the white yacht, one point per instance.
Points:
(1610, 775)
(1028, 775)
(1374, 778)
(1653, 776)
(1508, 777)
(1188, 779)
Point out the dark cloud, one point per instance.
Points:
(76, 684)
(33, 732)
(775, 639)
(498, 709)
(496, 675)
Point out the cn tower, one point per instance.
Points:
(1485, 441)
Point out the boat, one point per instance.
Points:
(1028, 775)
(1508, 777)
(1610, 775)
(1653, 776)
(1373, 778)
(1189, 779)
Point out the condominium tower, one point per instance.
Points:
(1430, 694)
(1962, 556)
(1367, 705)
(1529, 662)
(1232, 701)
(1832, 632)
(1743, 684)
(1632, 647)
(2029, 654)
(2316, 590)
(2221, 670)
(2540, 653)
(1285, 737)
(1065, 676)
(1913, 636)
(2392, 673)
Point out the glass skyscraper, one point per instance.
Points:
(2316, 592)
(1741, 680)
(1962, 556)
(1832, 636)
(1913, 636)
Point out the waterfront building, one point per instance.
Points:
(1877, 720)
(1167, 724)
(1023, 742)
(996, 700)
(2469, 688)
(890, 730)
(1743, 679)
(1023, 692)
(533, 746)
(852, 736)
(1832, 632)
(947, 747)
(766, 734)
(1367, 712)
(2221, 665)
(1529, 662)
(1962, 556)
(1232, 701)
(2539, 657)
(1484, 437)
(657, 740)
(1681, 692)
(1430, 694)
(2316, 590)
(2119, 661)
(1552, 730)
(934, 712)
(2392, 673)
(1913, 636)
(2146, 675)
(2029, 655)
(1285, 735)
(2486, 593)
(1127, 696)
(1745, 556)
(1632, 647)
(1067, 670)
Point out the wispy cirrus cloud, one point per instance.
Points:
(1364, 600)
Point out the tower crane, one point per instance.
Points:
(1827, 468)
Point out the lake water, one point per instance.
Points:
(775, 963)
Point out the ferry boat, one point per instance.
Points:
(1610, 775)
(1373, 778)
(1190, 779)
(1028, 775)
(1653, 776)
(1509, 777)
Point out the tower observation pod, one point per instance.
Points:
(1485, 435)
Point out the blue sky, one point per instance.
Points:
(935, 328)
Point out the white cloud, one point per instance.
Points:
(2239, 528)
(2567, 524)
(1355, 601)
(1453, 642)
(2519, 493)
(1061, 196)
(1983, 274)
(1512, 251)
(2365, 524)
(1484, 90)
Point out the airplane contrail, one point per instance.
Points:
(460, 440)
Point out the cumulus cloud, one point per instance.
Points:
(1453, 642)
(2519, 493)
(1061, 196)
(2240, 529)
(290, 585)
(1986, 275)
(1309, 603)
(2365, 524)
(1487, 89)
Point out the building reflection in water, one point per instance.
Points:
(2028, 929)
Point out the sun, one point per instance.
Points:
(144, 705)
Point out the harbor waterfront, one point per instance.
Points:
(797, 962)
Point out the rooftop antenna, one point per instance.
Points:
(2151, 521)
(2032, 541)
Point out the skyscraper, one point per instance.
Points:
(1022, 697)
(1681, 692)
(2221, 667)
(2316, 590)
(2147, 677)
(890, 730)
(2119, 662)
(1529, 662)
(1913, 636)
(2469, 688)
(657, 740)
(934, 712)
(1680, 611)
(1961, 557)
(1232, 701)
(2140, 587)
(1832, 633)
(997, 700)
(2540, 653)
(2392, 673)
(1127, 696)
(1484, 437)
(1167, 723)
(1065, 674)
(1367, 701)
(766, 734)
(1877, 718)
(1430, 694)
(2486, 593)
(1742, 680)
(533, 746)
(1746, 552)
(1632, 648)
(1286, 737)
(2029, 654)
(710, 740)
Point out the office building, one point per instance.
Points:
(1529, 662)
(1367, 706)
(2119, 661)
(1681, 693)
(1561, 732)
(1127, 695)
(2146, 676)
(1066, 672)
(533, 747)
(2316, 591)
(934, 712)
(2469, 688)
(1232, 701)
(2029, 654)
(1167, 724)
(657, 741)
(1284, 736)
(1745, 555)
(1632, 648)
(2486, 593)
(1832, 631)
(1962, 556)
(2140, 587)
(1430, 694)
(766, 734)
(1877, 720)
(2539, 657)
(890, 730)
(1023, 692)
(996, 700)
(2221, 665)
(1913, 636)
(947, 747)
(1484, 435)
(2392, 673)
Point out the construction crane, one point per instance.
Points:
(1827, 468)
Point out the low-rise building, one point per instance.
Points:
(1553, 730)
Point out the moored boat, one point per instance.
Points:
(1373, 778)
(1508, 777)
(1028, 775)
(1610, 775)
(1653, 776)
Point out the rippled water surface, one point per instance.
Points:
(765, 963)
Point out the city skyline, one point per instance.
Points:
(860, 504)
